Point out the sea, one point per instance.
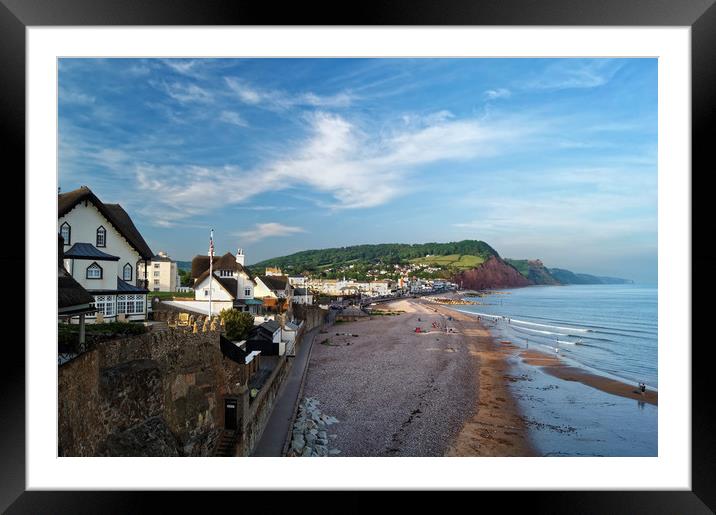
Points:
(610, 330)
(607, 329)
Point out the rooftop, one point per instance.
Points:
(88, 251)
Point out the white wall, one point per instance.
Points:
(302, 299)
(218, 293)
(245, 282)
(84, 221)
(200, 306)
(261, 290)
(78, 269)
(168, 279)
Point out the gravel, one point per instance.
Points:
(394, 391)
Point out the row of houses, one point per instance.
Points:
(232, 285)
(383, 288)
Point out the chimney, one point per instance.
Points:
(240, 257)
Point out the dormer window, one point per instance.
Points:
(127, 272)
(66, 232)
(226, 273)
(101, 236)
(94, 271)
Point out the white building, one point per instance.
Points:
(273, 286)
(230, 283)
(302, 296)
(299, 281)
(103, 251)
(380, 288)
(163, 274)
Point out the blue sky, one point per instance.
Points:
(542, 158)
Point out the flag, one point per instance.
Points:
(211, 266)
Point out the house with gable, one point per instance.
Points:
(275, 291)
(103, 251)
(230, 283)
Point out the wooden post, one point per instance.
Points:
(82, 329)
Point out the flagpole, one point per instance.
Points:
(211, 266)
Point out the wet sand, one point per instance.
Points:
(396, 392)
(496, 427)
(554, 366)
(570, 411)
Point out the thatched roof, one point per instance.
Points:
(117, 216)
(274, 282)
(200, 264)
(225, 262)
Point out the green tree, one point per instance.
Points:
(185, 277)
(237, 323)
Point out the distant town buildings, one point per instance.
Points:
(163, 274)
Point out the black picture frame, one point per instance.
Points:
(699, 15)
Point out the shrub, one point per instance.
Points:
(237, 323)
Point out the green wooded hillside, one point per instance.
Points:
(467, 253)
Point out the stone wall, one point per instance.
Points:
(153, 394)
(313, 316)
(261, 408)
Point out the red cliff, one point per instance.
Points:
(493, 273)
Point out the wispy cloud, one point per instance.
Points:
(194, 68)
(187, 92)
(71, 96)
(357, 169)
(493, 94)
(574, 73)
(233, 118)
(280, 100)
(268, 230)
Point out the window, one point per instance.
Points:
(66, 232)
(104, 304)
(247, 292)
(130, 304)
(127, 272)
(156, 281)
(156, 288)
(156, 265)
(157, 274)
(101, 237)
(206, 292)
(94, 271)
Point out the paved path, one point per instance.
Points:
(276, 430)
